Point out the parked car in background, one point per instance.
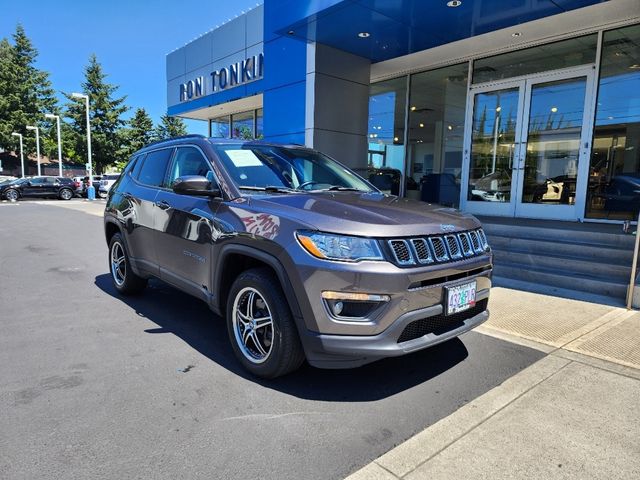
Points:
(106, 183)
(78, 182)
(42, 187)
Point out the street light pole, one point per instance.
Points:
(91, 191)
(29, 127)
(57, 117)
(19, 135)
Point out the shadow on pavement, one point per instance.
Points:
(190, 319)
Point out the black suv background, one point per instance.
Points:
(41, 187)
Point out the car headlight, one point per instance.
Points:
(330, 246)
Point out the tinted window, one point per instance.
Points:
(188, 161)
(154, 167)
(38, 181)
(110, 177)
(139, 160)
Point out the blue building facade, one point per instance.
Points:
(520, 108)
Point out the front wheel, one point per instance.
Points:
(260, 325)
(124, 279)
(102, 194)
(12, 195)
(66, 194)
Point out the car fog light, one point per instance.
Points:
(337, 308)
(358, 297)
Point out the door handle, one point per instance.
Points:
(164, 205)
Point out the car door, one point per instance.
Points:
(34, 187)
(141, 196)
(184, 226)
(51, 187)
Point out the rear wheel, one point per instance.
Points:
(124, 279)
(12, 195)
(66, 194)
(260, 325)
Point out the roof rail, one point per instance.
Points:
(192, 135)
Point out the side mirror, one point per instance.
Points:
(194, 185)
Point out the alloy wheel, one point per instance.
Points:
(253, 325)
(118, 264)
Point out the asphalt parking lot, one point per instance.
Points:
(93, 385)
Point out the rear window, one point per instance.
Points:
(154, 167)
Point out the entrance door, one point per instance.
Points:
(527, 153)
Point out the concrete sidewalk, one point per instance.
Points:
(573, 414)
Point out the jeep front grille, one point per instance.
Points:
(401, 251)
(438, 248)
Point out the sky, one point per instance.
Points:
(131, 39)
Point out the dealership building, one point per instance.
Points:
(518, 108)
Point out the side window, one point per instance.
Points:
(37, 181)
(139, 160)
(154, 167)
(188, 161)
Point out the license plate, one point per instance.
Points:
(460, 297)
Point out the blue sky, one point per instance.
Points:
(130, 37)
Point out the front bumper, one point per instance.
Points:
(336, 351)
(414, 294)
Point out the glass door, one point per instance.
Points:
(528, 146)
(493, 149)
(552, 169)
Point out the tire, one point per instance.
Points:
(124, 280)
(65, 194)
(12, 195)
(102, 194)
(279, 351)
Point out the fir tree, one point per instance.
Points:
(170, 127)
(25, 91)
(105, 114)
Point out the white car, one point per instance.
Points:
(106, 183)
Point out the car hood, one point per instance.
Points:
(365, 214)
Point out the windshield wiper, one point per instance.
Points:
(338, 188)
(268, 189)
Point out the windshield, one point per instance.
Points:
(268, 166)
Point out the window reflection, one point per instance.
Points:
(436, 134)
(386, 135)
(553, 142)
(242, 125)
(219, 127)
(493, 145)
(614, 173)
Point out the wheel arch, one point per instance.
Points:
(235, 259)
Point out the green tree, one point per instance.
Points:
(170, 127)
(105, 115)
(139, 133)
(25, 91)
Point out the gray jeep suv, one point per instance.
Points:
(302, 257)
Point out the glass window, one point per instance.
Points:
(614, 173)
(38, 181)
(188, 161)
(257, 167)
(219, 127)
(242, 125)
(386, 134)
(259, 122)
(154, 167)
(138, 165)
(552, 56)
(436, 134)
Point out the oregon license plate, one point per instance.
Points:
(460, 297)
